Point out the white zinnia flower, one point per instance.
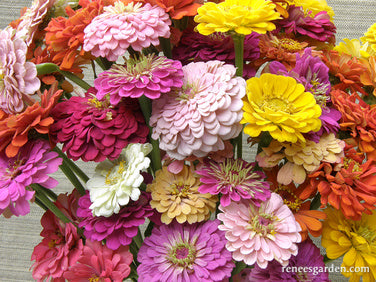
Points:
(115, 182)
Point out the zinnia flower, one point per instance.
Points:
(120, 26)
(370, 36)
(183, 252)
(176, 196)
(118, 229)
(197, 118)
(308, 257)
(260, 234)
(355, 240)
(32, 164)
(98, 263)
(147, 75)
(240, 16)
(235, 180)
(18, 78)
(117, 182)
(94, 130)
(177, 9)
(280, 106)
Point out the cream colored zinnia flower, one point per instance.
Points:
(116, 182)
(176, 196)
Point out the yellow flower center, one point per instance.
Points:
(13, 171)
(180, 189)
(113, 176)
(120, 8)
(182, 254)
(289, 198)
(262, 224)
(364, 240)
(276, 104)
(289, 45)
(94, 278)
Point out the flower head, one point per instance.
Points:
(117, 182)
(120, 26)
(176, 196)
(239, 16)
(197, 118)
(98, 263)
(32, 164)
(18, 78)
(370, 36)
(234, 180)
(356, 240)
(147, 75)
(177, 9)
(260, 234)
(185, 252)
(118, 229)
(93, 129)
(280, 106)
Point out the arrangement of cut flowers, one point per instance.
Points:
(181, 90)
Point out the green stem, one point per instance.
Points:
(138, 239)
(166, 46)
(93, 67)
(155, 156)
(72, 178)
(39, 194)
(39, 203)
(48, 192)
(76, 169)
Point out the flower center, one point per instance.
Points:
(276, 104)
(289, 198)
(364, 239)
(94, 278)
(180, 189)
(182, 254)
(120, 8)
(301, 276)
(218, 36)
(115, 173)
(13, 170)
(262, 224)
(187, 91)
(290, 45)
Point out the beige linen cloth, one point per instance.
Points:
(18, 236)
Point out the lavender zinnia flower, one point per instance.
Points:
(118, 229)
(184, 252)
(308, 258)
(32, 164)
(235, 180)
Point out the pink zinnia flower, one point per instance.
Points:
(120, 26)
(94, 130)
(260, 234)
(98, 263)
(18, 78)
(60, 248)
(32, 164)
(235, 180)
(196, 119)
(118, 229)
(184, 252)
(147, 75)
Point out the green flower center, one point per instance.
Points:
(364, 239)
(115, 173)
(182, 254)
(263, 224)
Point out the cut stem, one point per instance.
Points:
(76, 169)
(72, 178)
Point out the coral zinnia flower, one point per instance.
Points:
(260, 234)
(147, 75)
(120, 26)
(176, 196)
(177, 9)
(185, 252)
(235, 180)
(98, 263)
(14, 129)
(240, 16)
(355, 240)
(279, 105)
(199, 117)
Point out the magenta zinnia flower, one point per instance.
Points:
(183, 252)
(147, 75)
(118, 229)
(196, 119)
(235, 180)
(260, 234)
(94, 130)
(32, 164)
(120, 26)
(98, 263)
(308, 258)
(18, 78)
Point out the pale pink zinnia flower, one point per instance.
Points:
(260, 234)
(197, 118)
(18, 78)
(147, 75)
(120, 26)
(98, 263)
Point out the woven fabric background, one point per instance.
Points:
(18, 236)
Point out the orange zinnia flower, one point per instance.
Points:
(177, 9)
(309, 220)
(350, 188)
(14, 129)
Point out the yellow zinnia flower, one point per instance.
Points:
(240, 16)
(354, 48)
(313, 6)
(356, 240)
(370, 36)
(176, 196)
(279, 105)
